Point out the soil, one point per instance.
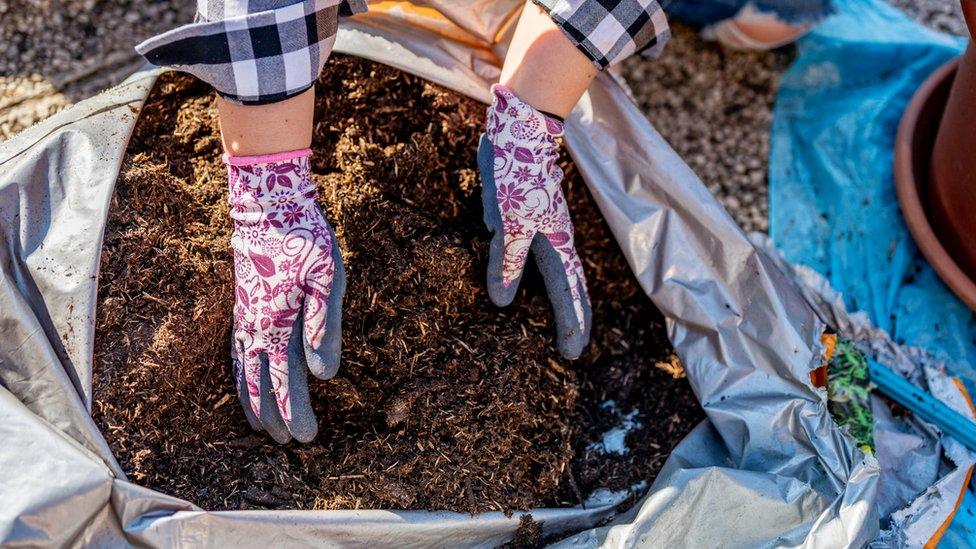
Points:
(443, 401)
(527, 536)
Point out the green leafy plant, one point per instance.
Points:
(849, 393)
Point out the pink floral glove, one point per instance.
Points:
(524, 206)
(289, 286)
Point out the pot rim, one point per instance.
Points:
(907, 188)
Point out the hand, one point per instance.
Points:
(524, 206)
(288, 292)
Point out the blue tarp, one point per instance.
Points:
(831, 186)
(831, 189)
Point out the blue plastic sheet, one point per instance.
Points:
(832, 197)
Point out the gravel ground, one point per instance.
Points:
(56, 52)
(943, 15)
(714, 107)
(74, 42)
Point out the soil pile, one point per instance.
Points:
(443, 401)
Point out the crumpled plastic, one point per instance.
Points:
(835, 215)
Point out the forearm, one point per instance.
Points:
(266, 129)
(543, 67)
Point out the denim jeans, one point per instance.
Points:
(701, 13)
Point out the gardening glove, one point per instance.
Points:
(288, 292)
(525, 208)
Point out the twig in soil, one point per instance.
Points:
(672, 366)
(226, 398)
(469, 494)
(155, 299)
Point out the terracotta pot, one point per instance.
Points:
(913, 153)
(935, 169)
(952, 171)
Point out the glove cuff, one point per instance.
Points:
(231, 160)
(506, 104)
(274, 188)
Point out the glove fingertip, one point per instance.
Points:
(323, 356)
(270, 415)
(577, 339)
(302, 424)
(572, 341)
(305, 434)
(240, 380)
(572, 336)
(323, 360)
(571, 345)
(245, 399)
(501, 294)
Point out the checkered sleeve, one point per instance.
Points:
(609, 31)
(254, 51)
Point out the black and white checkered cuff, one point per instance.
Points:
(252, 57)
(609, 31)
(217, 10)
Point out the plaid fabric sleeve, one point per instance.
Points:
(609, 31)
(254, 51)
